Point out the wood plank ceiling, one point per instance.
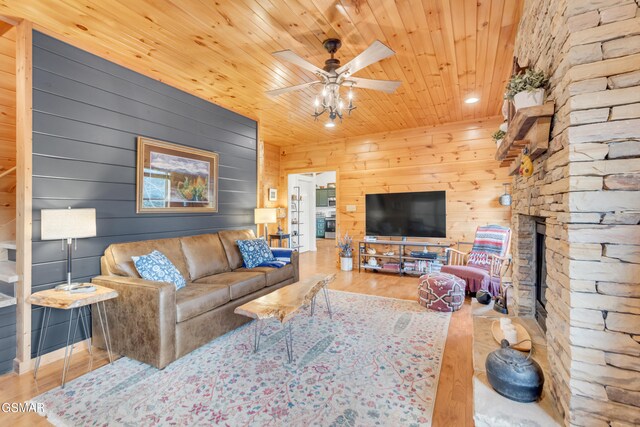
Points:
(446, 51)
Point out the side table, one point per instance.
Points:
(65, 300)
(279, 238)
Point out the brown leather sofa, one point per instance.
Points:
(153, 323)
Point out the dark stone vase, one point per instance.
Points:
(513, 374)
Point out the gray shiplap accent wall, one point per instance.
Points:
(87, 115)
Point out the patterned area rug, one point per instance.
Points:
(376, 363)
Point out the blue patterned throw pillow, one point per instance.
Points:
(254, 252)
(157, 267)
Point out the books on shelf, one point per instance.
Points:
(421, 266)
(395, 266)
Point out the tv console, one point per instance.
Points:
(400, 263)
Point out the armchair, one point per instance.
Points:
(484, 265)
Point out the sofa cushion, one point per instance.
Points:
(273, 275)
(157, 267)
(118, 255)
(198, 298)
(240, 283)
(255, 252)
(204, 255)
(228, 239)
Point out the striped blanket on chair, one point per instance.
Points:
(490, 240)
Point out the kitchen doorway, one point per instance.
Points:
(312, 209)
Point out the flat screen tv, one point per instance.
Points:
(419, 214)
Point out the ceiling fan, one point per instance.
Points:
(333, 76)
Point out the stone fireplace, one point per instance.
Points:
(581, 207)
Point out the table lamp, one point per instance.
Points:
(265, 216)
(67, 224)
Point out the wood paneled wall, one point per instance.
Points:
(268, 177)
(457, 157)
(7, 134)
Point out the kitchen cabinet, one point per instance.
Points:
(323, 195)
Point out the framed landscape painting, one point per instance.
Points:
(175, 178)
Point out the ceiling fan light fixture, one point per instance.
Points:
(471, 100)
(334, 75)
(330, 124)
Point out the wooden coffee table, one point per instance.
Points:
(283, 304)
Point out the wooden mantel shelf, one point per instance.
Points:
(529, 127)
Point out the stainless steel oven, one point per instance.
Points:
(330, 228)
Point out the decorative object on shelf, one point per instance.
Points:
(273, 194)
(331, 185)
(529, 128)
(281, 213)
(527, 89)
(175, 178)
(370, 238)
(513, 374)
(498, 136)
(345, 244)
(483, 297)
(371, 251)
(333, 76)
(265, 216)
(373, 262)
(390, 253)
(526, 165)
(67, 224)
(505, 199)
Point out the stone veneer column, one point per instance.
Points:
(587, 187)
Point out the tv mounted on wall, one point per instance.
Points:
(417, 214)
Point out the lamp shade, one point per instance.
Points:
(67, 223)
(265, 216)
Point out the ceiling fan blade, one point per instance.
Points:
(374, 53)
(296, 59)
(388, 86)
(280, 91)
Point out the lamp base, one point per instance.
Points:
(68, 286)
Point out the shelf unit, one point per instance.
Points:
(400, 257)
(294, 241)
(529, 129)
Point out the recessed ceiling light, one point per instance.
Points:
(471, 100)
(329, 125)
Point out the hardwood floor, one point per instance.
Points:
(454, 401)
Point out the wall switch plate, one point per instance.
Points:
(351, 208)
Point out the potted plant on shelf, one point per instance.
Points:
(527, 89)
(498, 136)
(346, 252)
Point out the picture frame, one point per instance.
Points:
(273, 194)
(175, 178)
